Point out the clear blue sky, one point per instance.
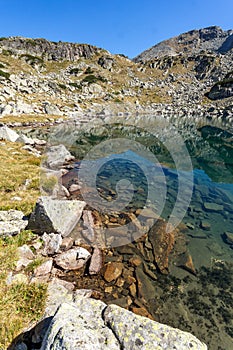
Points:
(127, 27)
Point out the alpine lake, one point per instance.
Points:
(194, 294)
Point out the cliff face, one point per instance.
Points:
(212, 39)
(48, 50)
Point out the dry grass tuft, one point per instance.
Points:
(20, 304)
(17, 166)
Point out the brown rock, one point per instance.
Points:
(133, 290)
(94, 233)
(186, 262)
(113, 271)
(146, 289)
(135, 261)
(141, 311)
(66, 243)
(162, 238)
(120, 282)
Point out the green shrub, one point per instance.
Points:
(88, 71)
(4, 74)
(74, 71)
(7, 52)
(76, 85)
(90, 79)
(32, 60)
(62, 86)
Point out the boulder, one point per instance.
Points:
(52, 109)
(90, 324)
(56, 156)
(8, 134)
(106, 62)
(26, 140)
(142, 333)
(113, 270)
(44, 268)
(73, 259)
(80, 326)
(55, 216)
(213, 207)
(52, 243)
(12, 222)
(162, 241)
(96, 261)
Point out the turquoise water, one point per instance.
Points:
(203, 303)
(155, 175)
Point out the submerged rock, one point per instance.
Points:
(162, 241)
(113, 270)
(213, 207)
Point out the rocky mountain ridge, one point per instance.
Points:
(212, 39)
(191, 76)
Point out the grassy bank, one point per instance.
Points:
(19, 177)
(20, 304)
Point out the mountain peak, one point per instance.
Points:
(212, 38)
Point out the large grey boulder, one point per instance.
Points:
(55, 216)
(12, 222)
(8, 134)
(89, 324)
(52, 109)
(56, 156)
(80, 326)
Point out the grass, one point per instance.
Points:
(17, 165)
(20, 304)
(29, 118)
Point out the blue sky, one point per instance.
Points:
(127, 27)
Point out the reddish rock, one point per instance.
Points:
(135, 261)
(112, 271)
(141, 311)
(162, 238)
(94, 233)
(96, 262)
(73, 259)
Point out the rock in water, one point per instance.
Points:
(213, 207)
(162, 241)
(113, 271)
(58, 216)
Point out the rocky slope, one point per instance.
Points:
(212, 39)
(187, 75)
